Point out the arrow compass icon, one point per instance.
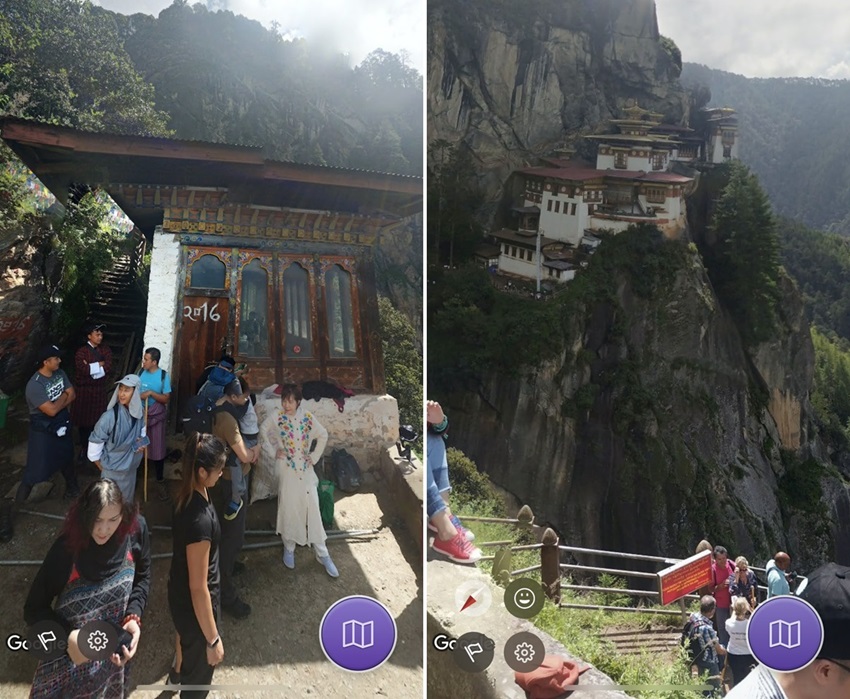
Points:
(473, 598)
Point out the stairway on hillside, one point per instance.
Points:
(122, 305)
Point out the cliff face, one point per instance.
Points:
(513, 80)
(654, 429)
(28, 270)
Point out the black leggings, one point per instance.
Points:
(740, 665)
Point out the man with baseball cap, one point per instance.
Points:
(828, 675)
(49, 448)
(92, 364)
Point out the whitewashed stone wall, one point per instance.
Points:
(163, 295)
(368, 425)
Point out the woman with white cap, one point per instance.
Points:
(118, 439)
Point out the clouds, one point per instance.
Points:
(355, 27)
(761, 38)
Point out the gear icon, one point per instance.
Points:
(97, 641)
(524, 652)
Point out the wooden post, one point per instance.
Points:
(525, 517)
(550, 568)
(684, 607)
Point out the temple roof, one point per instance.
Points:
(62, 157)
(530, 238)
(577, 172)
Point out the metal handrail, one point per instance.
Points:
(612, 571)
(618, 554)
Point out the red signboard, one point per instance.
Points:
(684, 577)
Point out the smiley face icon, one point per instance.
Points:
(524, 598)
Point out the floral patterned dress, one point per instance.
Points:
(298, 517)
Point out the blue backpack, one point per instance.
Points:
(198, 415)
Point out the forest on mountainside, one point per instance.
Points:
(793, 136)
(212, 76)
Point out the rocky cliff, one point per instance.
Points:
(513, 80)
(29, 270)
(653, 427)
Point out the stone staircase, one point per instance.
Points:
(122, 305)
(650, 641)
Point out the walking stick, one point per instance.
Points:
(146, 451)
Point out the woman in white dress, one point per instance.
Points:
(290, 431)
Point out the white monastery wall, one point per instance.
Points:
(367, 426)
(522, 268)
(163, 296)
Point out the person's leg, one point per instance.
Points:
(234, 505)
(436, 508)
(194, 668)
(178, 657)
(84, 433)
(23, 492)
(710, 672)
(722, 615)
(65, 455)
(237, 480)
(232, 538)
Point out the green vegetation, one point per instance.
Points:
(453, 198)
(820, 263)
(88, 246)
(577, 629)
(402, 364)
(671, 50)
(63, 62)
(473, 329)
(831, 393)
(743, 262)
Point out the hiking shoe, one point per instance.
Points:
(162, 491)
(7, 530)
(237, 609)
(173, 676)
(458, 549)
(329, 565)
(289, 559)
(468, 535)
(233, 509)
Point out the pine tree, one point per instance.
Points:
(745, 263)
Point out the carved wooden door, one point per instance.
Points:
(202, 340)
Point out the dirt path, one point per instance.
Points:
(276, 650)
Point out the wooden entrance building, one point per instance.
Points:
(270, 261)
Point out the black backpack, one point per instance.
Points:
(346, 471)
(690, 642)
(198, 415)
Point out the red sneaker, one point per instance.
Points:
(468, 535)
(458, 549)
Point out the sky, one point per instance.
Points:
(761, 38)
(355, 27)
